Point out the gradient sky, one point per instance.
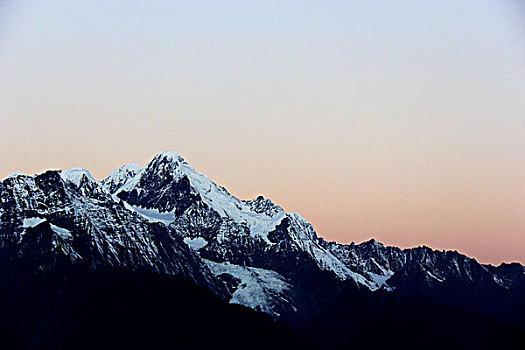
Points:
(402, 121)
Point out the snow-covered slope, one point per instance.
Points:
(260, 216)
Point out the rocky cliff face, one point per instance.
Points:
(61, 218)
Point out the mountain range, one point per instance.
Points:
(180, 242)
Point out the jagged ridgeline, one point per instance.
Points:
(168, 220)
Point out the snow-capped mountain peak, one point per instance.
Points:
(168, 182)
(76, 176)
(120, 176)
(174, 156)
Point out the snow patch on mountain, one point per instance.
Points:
(435, 277)
(500, 281)
(29, 223)
(381, 280)
(32, 222)
(61, 232)
(195, 243)
(62, 241)
(258, 289)
(152, 215)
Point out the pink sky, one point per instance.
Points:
(403, 122)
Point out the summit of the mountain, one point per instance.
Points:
(76, 176)
(120, 176)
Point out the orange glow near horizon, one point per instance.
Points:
(402, 121)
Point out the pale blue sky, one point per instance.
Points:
(402, 120)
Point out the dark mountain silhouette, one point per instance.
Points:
(126, 260)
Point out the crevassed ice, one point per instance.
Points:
(257, 288)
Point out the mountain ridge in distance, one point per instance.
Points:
(167, 219)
